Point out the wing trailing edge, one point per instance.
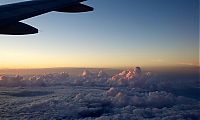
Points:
(18, 28)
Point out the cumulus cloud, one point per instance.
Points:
(94, 102)
(10, 80)
(39, 80)
(87, 74)
(102, 75)
(156, 99)
(112, 92)
(132, 78)
(128, 74)
(129, 94)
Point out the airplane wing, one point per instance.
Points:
(12, 14)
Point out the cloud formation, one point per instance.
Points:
(95, 103)
(129, 94)
(133, 78)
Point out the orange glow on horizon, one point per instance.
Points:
(35, 59)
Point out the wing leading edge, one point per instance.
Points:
(12, 14)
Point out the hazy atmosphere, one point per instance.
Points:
(116, 34)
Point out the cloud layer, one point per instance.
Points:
(130, 94)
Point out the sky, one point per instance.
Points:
(118, 33)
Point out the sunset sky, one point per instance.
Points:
(119, 33)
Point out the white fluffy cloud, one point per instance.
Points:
(157, 99)
(130, 94)
(39, 80)
(132, 78)
(129, 74)
(100, 103)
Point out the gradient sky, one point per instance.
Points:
(119, 33)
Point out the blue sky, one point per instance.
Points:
(119, 33)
